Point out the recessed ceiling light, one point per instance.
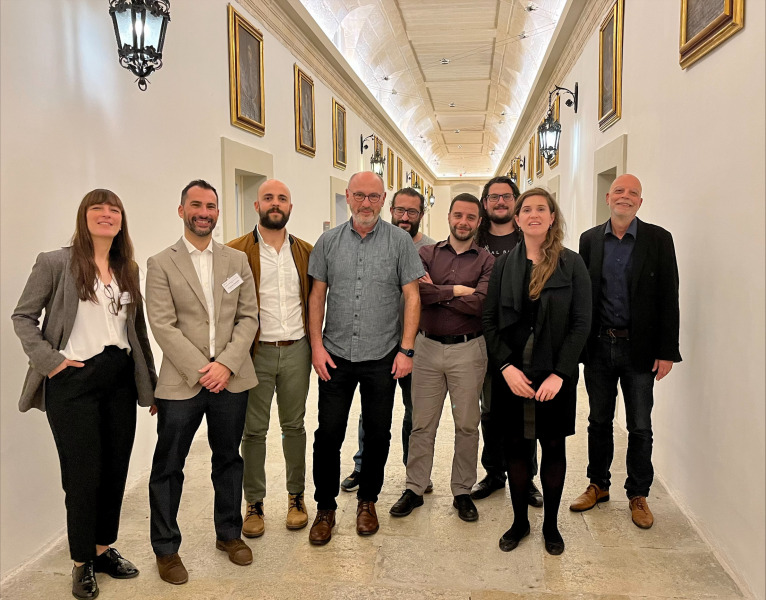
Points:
(394, 92)
(502, 114)
(459, 146)
(457, 131)
(445, 61)
(530, 7)
(452, 105)
(522, 35)
(385, 78)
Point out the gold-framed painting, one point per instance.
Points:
(706, 24)
(539, 159)
(399, 172)
(610, 66)
(338, 135)
(378, 146)
(531, 159)
(305, 130)
(246, 97)
(556, 108)
(390, 166)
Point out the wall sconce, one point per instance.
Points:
(139, 26)
(377, 160)
(414, 180)
(431, 200)
(549, 132)
(517, 164)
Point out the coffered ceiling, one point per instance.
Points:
(453, 75)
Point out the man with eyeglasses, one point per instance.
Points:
(407, 207)
(360, 268)
(498, 235)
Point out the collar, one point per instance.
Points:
(374, 227)
(472, 248)
(190, 247)
(632, 228)
(259, 238)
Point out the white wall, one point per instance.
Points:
(696, 141)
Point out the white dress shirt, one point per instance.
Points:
(203, 265)
(281, 316)
(95, 327)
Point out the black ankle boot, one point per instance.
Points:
(84, 584)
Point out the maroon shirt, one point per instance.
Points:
(441, 312)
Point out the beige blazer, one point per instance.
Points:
(175, 305)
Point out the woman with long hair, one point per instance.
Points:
(536, 321)
(89, 363)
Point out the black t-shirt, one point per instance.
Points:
(497, 245)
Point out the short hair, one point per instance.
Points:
(500, 179)
(465, 197)
(200, 183)
(408, 191)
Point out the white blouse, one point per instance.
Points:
(95, 327)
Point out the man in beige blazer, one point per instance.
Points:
(203, 311)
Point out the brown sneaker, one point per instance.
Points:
(297, 517)
(321, 530)
(253, 525)
(366, 518)
(587, 500)
(172, 569)
(639, 510)
(239, 552)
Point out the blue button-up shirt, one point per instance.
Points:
(615, 276)
(364, 277)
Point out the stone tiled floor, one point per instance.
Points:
(429, 555)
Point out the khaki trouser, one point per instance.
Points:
(437, 369)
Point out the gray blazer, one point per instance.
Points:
(175, 304)
(51, 286)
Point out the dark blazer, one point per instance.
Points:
(51, 286)
(563, 318)
(654, 308)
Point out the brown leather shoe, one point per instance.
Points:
(321, 530)
(172, 569)
(239, 552)
(639, 510)
(587, 500)
(366, 518)
(253, 526)
(297, 517)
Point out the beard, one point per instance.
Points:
(268, 223)
(414, 227)
(500, 220)
(462, 236)
(202, 230)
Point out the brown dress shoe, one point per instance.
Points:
(239, 552)
(640, 512)
(172, 569)
(297, 517)
(253, 526)
(366, 518)
(587, 500)
(321, 530)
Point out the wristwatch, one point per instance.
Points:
(407, 352)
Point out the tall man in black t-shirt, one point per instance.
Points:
(498, 235)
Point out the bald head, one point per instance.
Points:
(366, 178)
(274, 204)
(624, 198)
(626, 180)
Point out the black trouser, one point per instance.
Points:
(92, 414)
(376, 386)
(177, 422)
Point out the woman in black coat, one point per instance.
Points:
(536, 321)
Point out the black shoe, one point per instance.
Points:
(554, 545)
(486, 486)
(84, 584)
(112, 563)
(351, 482)
(406, 504)
(466, 509)
(510, 540)
(534, 497)
(429, 488)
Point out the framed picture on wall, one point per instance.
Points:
(305, 141)
(610, 67)
(246, 96)
(539, 159)
(378, 146)
(531, 160)
(390, 163)
(399, 173)
(338, 135)
(706, 24)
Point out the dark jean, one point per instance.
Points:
(177, 422)
(609, 364)
(405, 383)
(376, 387)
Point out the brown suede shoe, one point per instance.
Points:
(297, 517)
(239, 552)
(253, 526)
(640, 512)
(172, 569)
(321, 530)
(366, 518)
(587, 500)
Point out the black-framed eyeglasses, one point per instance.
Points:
(492, 198)
(412, 213)
(374, 198)
(114, 305)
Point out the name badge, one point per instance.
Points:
(125, 298)
(232, 283)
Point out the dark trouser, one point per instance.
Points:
(405, 383)
(376, 387)
(609, 364)
(92, 414)
(177, 422)
(492, 455)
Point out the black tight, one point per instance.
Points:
(553, 468)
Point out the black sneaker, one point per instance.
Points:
(84, 583)
(406, 504)
(351, 482)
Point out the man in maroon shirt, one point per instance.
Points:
(450, 356)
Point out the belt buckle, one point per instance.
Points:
(610, 333)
